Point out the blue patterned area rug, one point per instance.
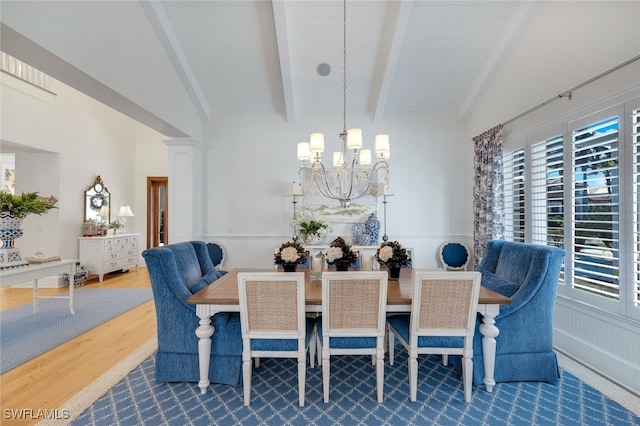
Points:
(138, 400)
(24, 336)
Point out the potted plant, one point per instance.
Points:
(341, 255)
(312, 231)
(393, 256)
(13, 210)
(290, 255)
(20, 206)
(115, 224)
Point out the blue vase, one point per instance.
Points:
(356, 231)
(373, 228)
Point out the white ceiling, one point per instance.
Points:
(257, 55)
(413, 55)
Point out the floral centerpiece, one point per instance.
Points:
(393, 256)
(289, 255)
(340, 254)
(312, 231)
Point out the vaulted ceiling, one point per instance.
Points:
(260, 55)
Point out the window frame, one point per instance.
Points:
(564, 127)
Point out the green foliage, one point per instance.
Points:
(25, 204)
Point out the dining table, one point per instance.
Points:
(222, 296)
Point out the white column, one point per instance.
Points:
(185, 189)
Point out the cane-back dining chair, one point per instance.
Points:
(442, 321)
(353, 320)
(273, 322)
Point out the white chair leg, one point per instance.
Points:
(302, 364)
(380, 378)
(257, 362)
(445, 359)
(467, 377)
(312, 349)
(392, 346)
(325, 376)
(246, 381)
(319, 350)
(413, 379)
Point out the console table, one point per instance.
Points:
(101, 255)
(35, 271)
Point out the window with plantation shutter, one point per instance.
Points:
(547, 192)
(635, 182)
(595, 208)
(514, 195)
(576, 185)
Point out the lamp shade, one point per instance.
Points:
(304, 152)
(316, 143)
(125, 211)
(337, 159)
(354, 138)
(365, 157)
(104, 211)
(382, 142)
(294, 189)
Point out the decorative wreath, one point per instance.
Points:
(97, 201)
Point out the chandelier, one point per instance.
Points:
(352, 175)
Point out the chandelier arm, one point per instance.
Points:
(323, 185)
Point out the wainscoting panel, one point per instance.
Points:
(607, 344)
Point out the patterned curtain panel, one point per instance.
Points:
(488, 197)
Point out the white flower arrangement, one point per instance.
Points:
(385, 253)
(310, 227)
(333, 253)
(289, 254)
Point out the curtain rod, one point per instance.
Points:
(569, 93)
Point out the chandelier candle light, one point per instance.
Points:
(351, 176)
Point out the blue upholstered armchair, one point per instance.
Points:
(177, 271)
(528, 274)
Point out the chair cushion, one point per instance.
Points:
(400, 323)
(348, 342)
(282, 344)
(497, 284)
(455, 255)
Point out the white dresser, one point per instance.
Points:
(101, 255)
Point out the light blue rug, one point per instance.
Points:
(24, 336)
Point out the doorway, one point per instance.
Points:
(157, 211)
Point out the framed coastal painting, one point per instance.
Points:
(323, 208)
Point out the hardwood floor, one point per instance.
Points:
(46, 382)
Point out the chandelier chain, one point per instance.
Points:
(348, 179)
(344, 68)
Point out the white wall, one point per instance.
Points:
(87, 139)
(251, 157)
(597, 35)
